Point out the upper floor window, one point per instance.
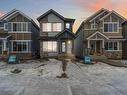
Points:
(68, 25)
(111, 27)
(57, 27)
(49, 27)
(94, 25)
(5, 26)
(19, 27)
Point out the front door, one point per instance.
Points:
(63, 47)
(69, 47)
(98, 48)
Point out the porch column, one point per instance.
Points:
(103, 46)
(88, 44)
(5, 45)
(88, 47)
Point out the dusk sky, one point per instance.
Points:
(77, 9)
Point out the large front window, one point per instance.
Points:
(110, 27)
(111, 46)
(50, 46)
(19, 27)
(51, 27)
(21, 46)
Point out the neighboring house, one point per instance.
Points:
(124, 30)
(18, 35)
(56, 36)
(100, 34)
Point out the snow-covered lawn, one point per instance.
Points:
(39, 78)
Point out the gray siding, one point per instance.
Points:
(78, 45)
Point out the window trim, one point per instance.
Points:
(51, 27)
(118, 47)
(93, 24)
(67, 24)
(27, 28)
(111, 23)
(5, 27)
(27, 41)
(52, 48)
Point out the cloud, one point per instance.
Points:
(1, 13)
(93, 5)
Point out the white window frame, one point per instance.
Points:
(68, 25)
(111, 23)
(51, 27)
(21, 27)
(27, 41)
(57, 27)
(46, 30)
(93, 25)
(5, 27)
(118, 47)
(52, 47)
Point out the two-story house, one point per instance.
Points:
(100, 34)
(18, 35)
(56, 36)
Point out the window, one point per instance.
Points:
(93, 26)
(49, 27)
(111, 46)
(6, 26)
(19, 27)
(68, 25)
(21, 46)
(50, 46)
(110, 27)
(57, 26)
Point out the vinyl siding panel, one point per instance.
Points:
(78, 45)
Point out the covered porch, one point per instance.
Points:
(96, 43)
(100, 46)
(65, 43)
(96, 47)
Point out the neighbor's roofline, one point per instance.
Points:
(114, 13)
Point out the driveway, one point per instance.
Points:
(39, 78)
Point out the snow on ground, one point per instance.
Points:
(39, 78)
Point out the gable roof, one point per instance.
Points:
(66, 31)
(13, 13)
(92, 17)
(96, 34)
(1, 18)
(96, 13)
(113, 12)
(105, 11)
(57, 14)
